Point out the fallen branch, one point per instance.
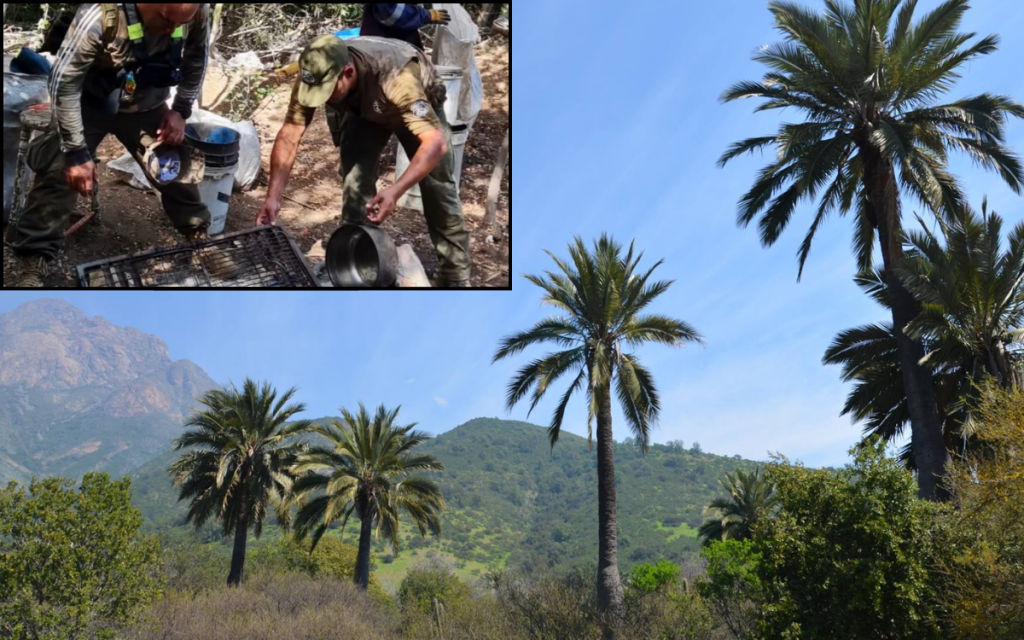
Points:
(495, 190)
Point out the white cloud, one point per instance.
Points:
(441, 401)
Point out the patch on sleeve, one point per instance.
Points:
(421, 109)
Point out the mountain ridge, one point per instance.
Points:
(79, 393)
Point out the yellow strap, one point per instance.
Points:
(179, 32)
(135, 31)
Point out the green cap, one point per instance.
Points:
(320, 67)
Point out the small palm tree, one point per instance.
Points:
(869, 79)
(365, 469)
(602, 298)
(972, 300)
(240, 450)
(751, 497)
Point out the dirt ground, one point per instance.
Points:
(133, 221)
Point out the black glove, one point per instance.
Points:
(440, 17)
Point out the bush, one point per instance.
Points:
(848, 554)
(985, 567)
(731, 587)
(429, 583)
(73, 565)
(648, 578)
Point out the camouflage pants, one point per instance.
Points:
(362, 143)
(39, 230)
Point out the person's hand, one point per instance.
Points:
(267, 215)
(82, 178)
(172, 129)
(380, 208)
(440, 17)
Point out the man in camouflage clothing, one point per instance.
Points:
(373, 88)
(113, 75)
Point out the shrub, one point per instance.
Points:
(648, 578)
(731, 586)
(429, 583)
(73, 565)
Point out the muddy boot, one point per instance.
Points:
(32, 271)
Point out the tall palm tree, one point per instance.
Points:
(240, 448)
(365, 469)
(868, 79)
(601, 296)
(972, 299)
(751, 497)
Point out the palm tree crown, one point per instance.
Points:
(366, 469)
(868, 79)
(240, 450)
(602, 297)
(751, 496)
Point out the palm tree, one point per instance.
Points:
(751, 496)
(868, 78)
(601, 296)
(241, 448)
(366, 469)
(972, 299)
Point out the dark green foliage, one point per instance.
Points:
(367, 467)
(428, 585)
(751, 497)
(848, 554)
(237, 460)
(73, 565)
(972, 300)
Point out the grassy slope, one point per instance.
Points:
(513, 501)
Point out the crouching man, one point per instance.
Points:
(113, 75)
(373, 88)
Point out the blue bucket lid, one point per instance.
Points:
(348, 34)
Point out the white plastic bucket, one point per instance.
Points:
(215, 192)
(413, 199)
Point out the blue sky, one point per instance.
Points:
(623, 128)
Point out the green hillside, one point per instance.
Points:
(513, 501)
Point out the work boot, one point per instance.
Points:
(33, 270)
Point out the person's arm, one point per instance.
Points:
(282, 159)
(407, 94)
(408, 17)
(195, 57)
(76, 56)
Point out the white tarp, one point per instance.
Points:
(455, 46)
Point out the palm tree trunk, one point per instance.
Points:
(363, 559)
(241, 534)
(925, 422)
(609, 585)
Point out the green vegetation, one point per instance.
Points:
(603, 297)
(868, 78)
(366, 469)
(239, 463)
(751, 497)
(73, 563)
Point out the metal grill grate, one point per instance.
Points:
(264, 258)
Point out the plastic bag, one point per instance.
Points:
(455, 46)
(248, 153)
(20, 93)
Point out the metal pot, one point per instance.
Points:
(361, 257)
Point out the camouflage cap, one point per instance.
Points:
(320, 66)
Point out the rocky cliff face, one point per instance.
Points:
(78, 393)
